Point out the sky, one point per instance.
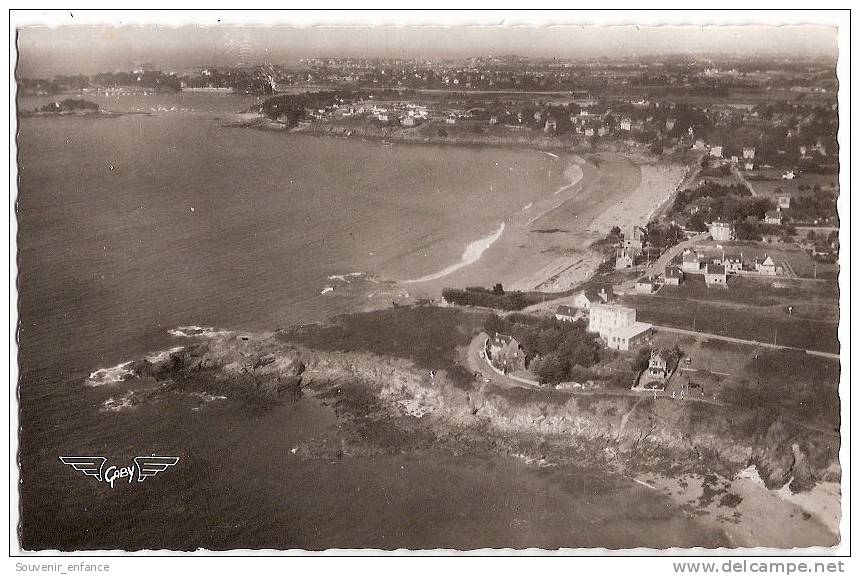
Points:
(46, 51)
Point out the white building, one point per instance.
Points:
(606, 318)
(721, 231)
(629, 336)
(691, 261)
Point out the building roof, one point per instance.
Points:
(768, 261)
(612, 307)
(631, 330)
(566, 311)
(673, 272)
(659, 354)
(715, 269)
(691, 256)
(773, 214)
(502, 339)
(593, 294)
(720, 224)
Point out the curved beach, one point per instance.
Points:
(545, 246)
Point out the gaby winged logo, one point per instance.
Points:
(143, 467)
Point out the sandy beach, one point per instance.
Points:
(751, 515)
(640, 190)
(546, 246)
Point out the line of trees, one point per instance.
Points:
(479, 296)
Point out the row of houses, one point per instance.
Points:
(697, 263)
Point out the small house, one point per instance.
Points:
(748, 153)
(783, 202)
(673, 275)
(566, 313)
(506, 353)
(721, 231)
(658, 364)
(716, 152)
(586, 298)
(623, 259)
(646, 285)
(634, 240)
(715, 275)
(733, 264)
(690, 261)
(773, 217)
(766, 267)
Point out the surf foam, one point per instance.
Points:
(471, 254)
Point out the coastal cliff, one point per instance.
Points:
(386, 404)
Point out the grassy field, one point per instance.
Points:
(808, 300)
(762, 324)
(775, 185)
(763, 380)
(797, 384)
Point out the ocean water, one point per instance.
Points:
(130, 227)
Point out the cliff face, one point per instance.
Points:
(621, 432)
(390, 403)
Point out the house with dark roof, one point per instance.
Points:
(506, 353)
(566, 313)
(586, 298)
(715, 275)
(673, 275)
(646, 285)
(733, 263)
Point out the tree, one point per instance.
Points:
(551, 370)
(497, 289)
(643, 356)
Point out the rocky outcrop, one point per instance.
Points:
(390, 404)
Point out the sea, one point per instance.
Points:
(130, 227)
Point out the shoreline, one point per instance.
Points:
(750, 514)
(386, 404)
(601, 193)
(470, 255)
(542, 144)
